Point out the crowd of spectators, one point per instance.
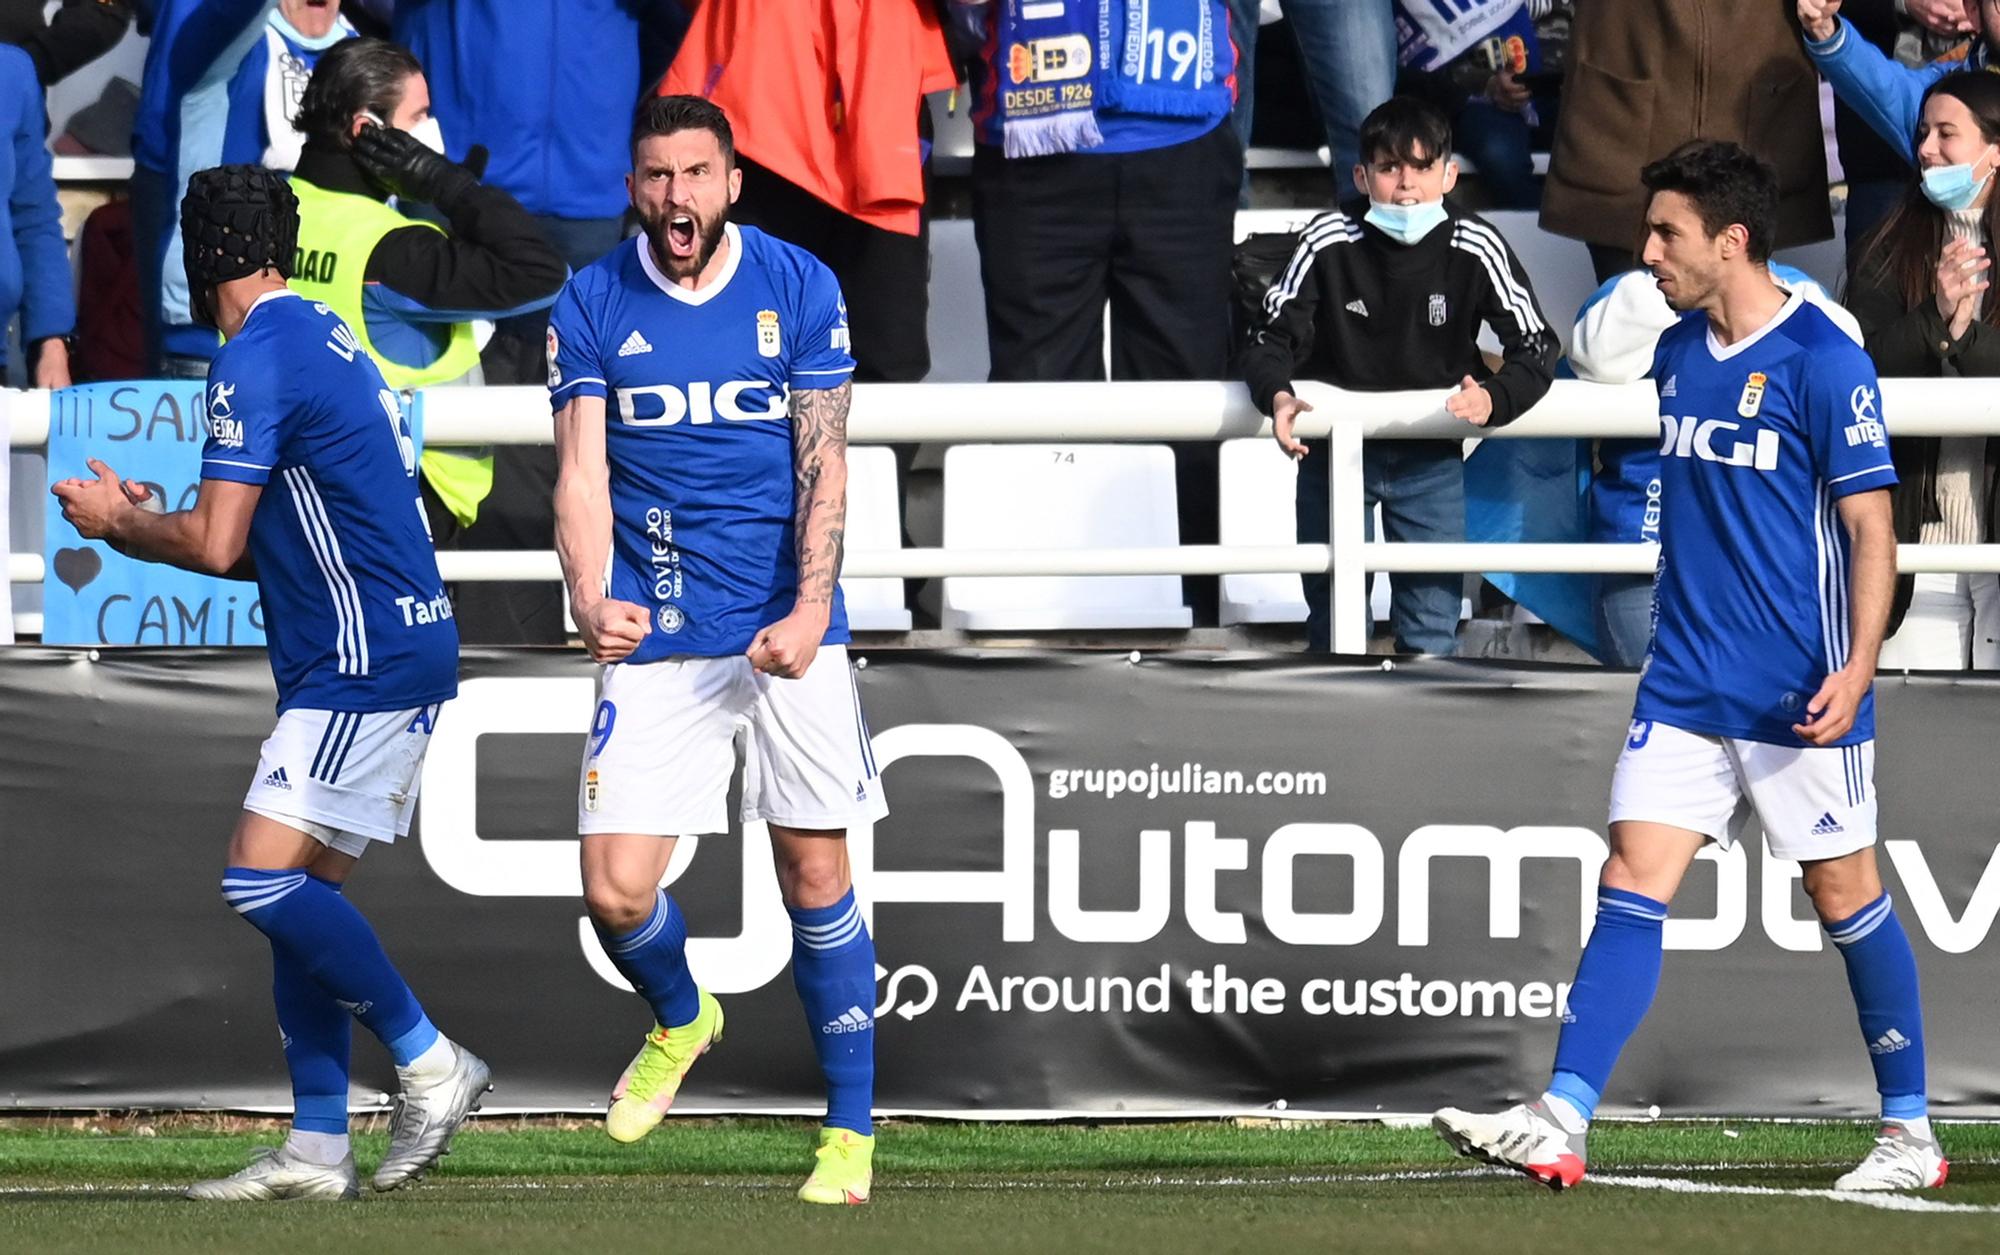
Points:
(459, 157)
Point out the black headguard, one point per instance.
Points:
(235, 221)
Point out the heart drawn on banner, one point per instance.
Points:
(77, 567)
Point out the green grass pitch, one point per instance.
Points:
(726, 1185)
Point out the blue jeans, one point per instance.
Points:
(1420, 485)
(1624, 619)
(1349, 52)
(1501, 144)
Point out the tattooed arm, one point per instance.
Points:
(819, 480)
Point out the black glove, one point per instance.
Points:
(400, 165)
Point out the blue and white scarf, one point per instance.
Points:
(1047, 79)
(1432, 32)
(1168, 61)
(1167, 58)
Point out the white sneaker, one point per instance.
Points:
(275, 1175)
(1900, 1161)
(425, 1118)
(1524, 1137)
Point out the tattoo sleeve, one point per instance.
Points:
(819, 481)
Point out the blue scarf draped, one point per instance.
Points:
(1059, 61)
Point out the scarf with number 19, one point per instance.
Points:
(1162, 58)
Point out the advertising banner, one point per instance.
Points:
(1186, 884)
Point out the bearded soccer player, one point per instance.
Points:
(718, 506)
(309, 484)
(1777, 563)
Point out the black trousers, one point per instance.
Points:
(884, 275)
(1149, 232)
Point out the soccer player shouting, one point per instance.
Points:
(719, 509)
(309, 483)
(1777, 563)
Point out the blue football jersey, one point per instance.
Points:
(1759, 441)
(698, 434)
(354, 612)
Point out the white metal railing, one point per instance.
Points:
(1082, 413)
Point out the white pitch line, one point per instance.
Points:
(1668, 1185)
(1883, 1202)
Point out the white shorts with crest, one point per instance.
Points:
(662, 748)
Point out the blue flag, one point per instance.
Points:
(1536, 491)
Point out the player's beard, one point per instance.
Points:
(708, 238)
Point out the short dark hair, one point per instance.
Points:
(1728, 185)
(668, 115)
(354, 76)
(1407, 128)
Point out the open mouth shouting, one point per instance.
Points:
(683, 238)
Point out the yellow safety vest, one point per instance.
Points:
(338, 232)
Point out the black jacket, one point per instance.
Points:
(493, 260)
(1356, 309)
(80, 32)
(1917, 343)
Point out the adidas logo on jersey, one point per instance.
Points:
(634, 345)
(852, 1020)
(278, 780)
(1358, 307)
(1889, 1043)
(1826, 827)
(1670, 390)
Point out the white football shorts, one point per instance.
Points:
(1814, 802)
(662, 748)
(343, 779)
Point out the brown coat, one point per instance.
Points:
(1647, 75)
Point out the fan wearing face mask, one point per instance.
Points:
(1388, 294)
(409, 289)
(1921, 296)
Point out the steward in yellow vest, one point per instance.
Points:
(409, 289)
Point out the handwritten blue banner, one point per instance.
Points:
(151, 432)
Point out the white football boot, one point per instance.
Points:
(1900, 1161)
(1524, 1137)
(276, 1176)
(426, 1116)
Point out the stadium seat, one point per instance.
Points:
(1061, 497)
(874, 522)
(1259, 492)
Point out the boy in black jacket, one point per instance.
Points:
(1388, 295)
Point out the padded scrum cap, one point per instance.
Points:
(235, 221)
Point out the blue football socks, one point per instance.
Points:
(1615, 983)
(317, 1033)
(1882, 972)
(653, 957)
(333, 943)
(833, 967)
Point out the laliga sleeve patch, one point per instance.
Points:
(555, 346)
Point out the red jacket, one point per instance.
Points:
(814, 102)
